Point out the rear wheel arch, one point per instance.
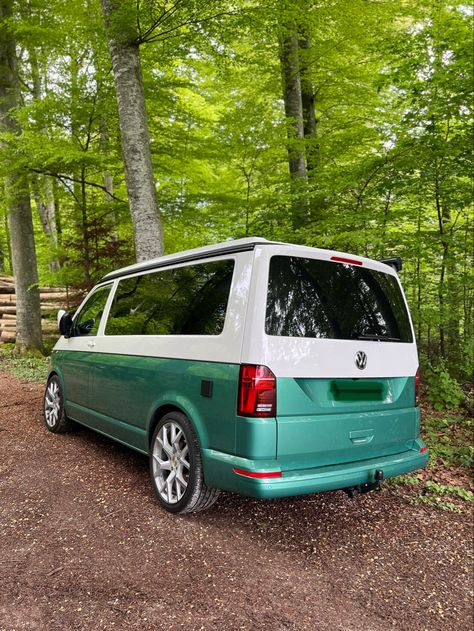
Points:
(193, 418)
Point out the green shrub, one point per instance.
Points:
(449, 438)
(444, 392)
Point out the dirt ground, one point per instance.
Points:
(84, 545)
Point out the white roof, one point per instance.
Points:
(228, 247)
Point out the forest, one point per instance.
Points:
(132, 129)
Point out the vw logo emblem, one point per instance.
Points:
(361, 360)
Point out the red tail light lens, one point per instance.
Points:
(417, 387)
(257, 392)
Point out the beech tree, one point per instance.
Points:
(134, 132)
(28, 311)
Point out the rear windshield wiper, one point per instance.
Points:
(378, 338)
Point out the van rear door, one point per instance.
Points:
(339, 339)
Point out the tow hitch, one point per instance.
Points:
(376, 485)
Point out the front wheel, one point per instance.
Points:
(176, 467)
(55, 417)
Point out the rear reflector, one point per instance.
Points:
(423, 449)
(257, 392)
(258, 474)
(340, 259)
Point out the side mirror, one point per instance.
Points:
(65, 323)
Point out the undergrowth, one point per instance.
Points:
(29, 368)
(448, 497)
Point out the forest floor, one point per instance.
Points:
(84, 545)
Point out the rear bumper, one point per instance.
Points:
(218, 468)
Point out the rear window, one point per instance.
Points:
(313, 298)
(182, 301)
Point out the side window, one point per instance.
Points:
(183, 301)
(88, 320)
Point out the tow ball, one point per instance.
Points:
(376, 485)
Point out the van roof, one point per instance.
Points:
(227, 247)
(218, 249)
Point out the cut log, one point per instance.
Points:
(7, 336)
(7, 289)
(56, 295)
(6, 326)
(56, 290)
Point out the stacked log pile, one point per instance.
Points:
(52, 299)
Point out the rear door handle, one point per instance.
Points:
(361, 436)
(91, 344)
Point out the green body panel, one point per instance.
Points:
(328, 434)
(125, 391)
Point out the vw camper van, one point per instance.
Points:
(258, 367)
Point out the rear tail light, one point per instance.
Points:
(417, 387)
(341, 259)
(257, 392)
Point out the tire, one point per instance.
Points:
(54, 415)
(176, 467)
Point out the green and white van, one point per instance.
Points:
(263, 368)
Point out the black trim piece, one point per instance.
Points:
(247, 247)
(394, 262)
(206, 388)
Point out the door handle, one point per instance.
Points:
(362, 436)
(91, 344)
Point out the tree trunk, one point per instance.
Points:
(134, 132)
(111, 216)
(307, 102)
(44, 201)
(28, 308)
(42, 186)
(28, 320)
(294, 114)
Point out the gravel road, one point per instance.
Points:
(84, 545)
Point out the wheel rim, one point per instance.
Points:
(52, 404)
(171, 462)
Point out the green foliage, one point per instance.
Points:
(443, 496)
(449, 489)
(449, 497)
(28, 368)
(449, 439)
(443, 391)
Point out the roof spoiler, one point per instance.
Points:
(395, 263)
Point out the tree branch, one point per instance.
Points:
(167, 34)
(68, 178)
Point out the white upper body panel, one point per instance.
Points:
(226, 347)
(243, 339)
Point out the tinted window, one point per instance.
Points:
(184, 301)
(88, 320)
(311, 298)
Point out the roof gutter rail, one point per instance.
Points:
(230, 249)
